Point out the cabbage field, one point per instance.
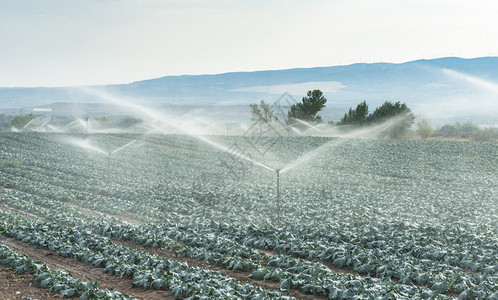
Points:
(184, 217)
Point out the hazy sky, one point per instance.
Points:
(84, 42)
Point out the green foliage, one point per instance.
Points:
(467, 130)
(424, 129)
(396, 116)
(399, 114)
(61, 120)
(262, 112)
(19, 122)
(447, 130)
(308, 108)
(104, 122)
(357, 116)
(9, 163)
(5, 121)
(401, 250)
(128, 122)
(486, 134)
(146, 270)
(55, 279)
(389, 110)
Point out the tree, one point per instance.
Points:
(424, 129)
(398, 113)
(5, 121)
(128, 122)
(21, 122)
(262, 112)
(357, 116)
(467, 130)
(308, 108)
(447, 130)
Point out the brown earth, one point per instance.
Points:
(78, 270)
(239, 275)
(22, 286)
(83, 271)
(124, 285)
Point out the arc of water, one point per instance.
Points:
(53, 128)
(43, 124)
(158, 116)
(315, 127)
(85, 144)
(209, 124)
(26, 125)
(295, 130)
(302, 122)
(72, 124)
(81, 122)
(312, 154)
(310, 127)
(476, 81)
(122, 147)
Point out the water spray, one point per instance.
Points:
(278, 195)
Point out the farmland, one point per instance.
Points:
(173, 216)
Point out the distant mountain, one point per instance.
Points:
(444, 89)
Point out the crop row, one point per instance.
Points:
(309, 277)
(382, 263)
(392, 209)
(55, 280)
(213, 249)
(145, 269)
(312, 278)
(157, 179)
(213, 243)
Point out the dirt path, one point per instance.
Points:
(81, 270)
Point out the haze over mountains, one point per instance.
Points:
(443, 90)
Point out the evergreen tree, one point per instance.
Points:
(357, 116)
(308, 108)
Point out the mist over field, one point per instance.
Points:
(294, 184)
(445, 90)
(255, 150)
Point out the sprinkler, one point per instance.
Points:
(108, 167)
(278, 195)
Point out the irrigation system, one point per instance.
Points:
(86, 145)
(278, 195)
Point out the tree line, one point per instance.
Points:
(398, 115)
(307, 110)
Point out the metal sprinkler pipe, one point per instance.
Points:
(108, 167)
(278, 195)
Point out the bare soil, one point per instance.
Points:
(22, 286)
(124, 285)
(241, 276)
(78, 270)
